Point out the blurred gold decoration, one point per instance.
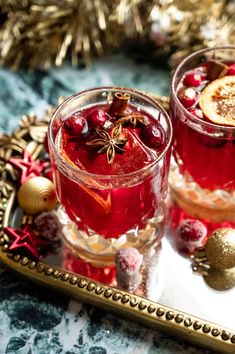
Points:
(41, 33)
(191, 25)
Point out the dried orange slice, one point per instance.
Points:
(217, 101)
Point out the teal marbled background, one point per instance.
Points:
(33, 320)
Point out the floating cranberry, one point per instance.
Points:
(152, 135)
(75, 124)
(193, 79)
(231, 69)
(97, 118)
(192, 230)
(188, 96)
(197, 112)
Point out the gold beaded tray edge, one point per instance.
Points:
(31, 134)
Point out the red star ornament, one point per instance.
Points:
(23, 241)
(27, 166)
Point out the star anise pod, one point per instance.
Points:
(109, 142)
(133, 119)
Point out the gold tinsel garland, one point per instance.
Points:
(41, 33)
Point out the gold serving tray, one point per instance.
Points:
(30, 135)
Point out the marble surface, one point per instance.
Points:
(33, 320)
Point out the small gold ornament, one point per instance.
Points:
(216, 260)
(220, 280)
(36, 195)
(220, 249)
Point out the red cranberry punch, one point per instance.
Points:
(202, 177)
(110, 151)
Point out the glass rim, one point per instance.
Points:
(83, 173)
(193, 118)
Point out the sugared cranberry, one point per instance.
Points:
(231, 69)
(193, 79)
(128, 260)
(191, 234)
(75, 124)
(196, 112)
(97, 118)
(188, 96)
(48, 225)
(192, 230)
(152, 135)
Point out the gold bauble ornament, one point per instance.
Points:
(36, 195)
(220, 280)
(220, 249)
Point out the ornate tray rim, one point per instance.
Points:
(31, 133)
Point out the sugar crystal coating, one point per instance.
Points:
(128, 259)
(47, 223)
(192, 230)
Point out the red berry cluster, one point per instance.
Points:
(76, 124)
(192, 84)
(79, 123)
